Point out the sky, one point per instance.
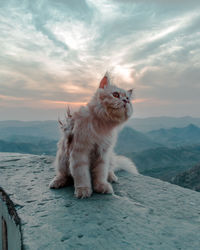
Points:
(54, 54)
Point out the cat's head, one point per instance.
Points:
(114, 101)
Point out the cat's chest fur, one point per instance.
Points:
(94, 131)
(105, 142)
(101, 146)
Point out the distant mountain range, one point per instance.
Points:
(130, 140)
(44, 129)
(156, 123)
(139, 124)
(162, 153)
(165, 163)
(38, 147)
(174, 137)
(189, 179)
(16, 139)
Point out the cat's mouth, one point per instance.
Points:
(124, 106)
(119, 113)
(121, 107)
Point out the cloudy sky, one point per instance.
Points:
(54, 53)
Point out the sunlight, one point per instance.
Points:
(124, 73)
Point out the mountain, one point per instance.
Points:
(37, 135)
(149, 151)
(156, 123)
(144, 213)
(189, 179)
(165, 163)
(130, 140)
(40, 147)
(45, 129)
(176, 136)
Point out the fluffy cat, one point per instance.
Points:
(85, 151)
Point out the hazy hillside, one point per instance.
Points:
(176, 136)
(130, 140)
(165, 163)
(50, 129)
(36, 134)
(45, 129)
(189, 179)
(155, 123)
(43, 147)
(149, 151)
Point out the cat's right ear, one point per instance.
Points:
(104, 82)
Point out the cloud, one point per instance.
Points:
(55, 52)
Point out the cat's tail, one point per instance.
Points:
(124, 163)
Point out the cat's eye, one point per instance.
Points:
(116, 94)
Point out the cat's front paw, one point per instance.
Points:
(103, 188)
(58, 182)
(83, 192)
(112, 177)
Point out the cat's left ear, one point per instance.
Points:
(104, 82)
(130, 93)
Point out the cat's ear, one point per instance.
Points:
(104, 82)
(130, 93)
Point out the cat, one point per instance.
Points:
(85, 151)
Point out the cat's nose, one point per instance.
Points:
(125, 100)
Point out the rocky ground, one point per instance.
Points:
(144, 213)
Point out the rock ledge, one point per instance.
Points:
(144, 213)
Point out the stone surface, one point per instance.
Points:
(144, 213)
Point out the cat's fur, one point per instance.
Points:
(85, 151)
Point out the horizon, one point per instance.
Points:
(54, 54)
(132, 118)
